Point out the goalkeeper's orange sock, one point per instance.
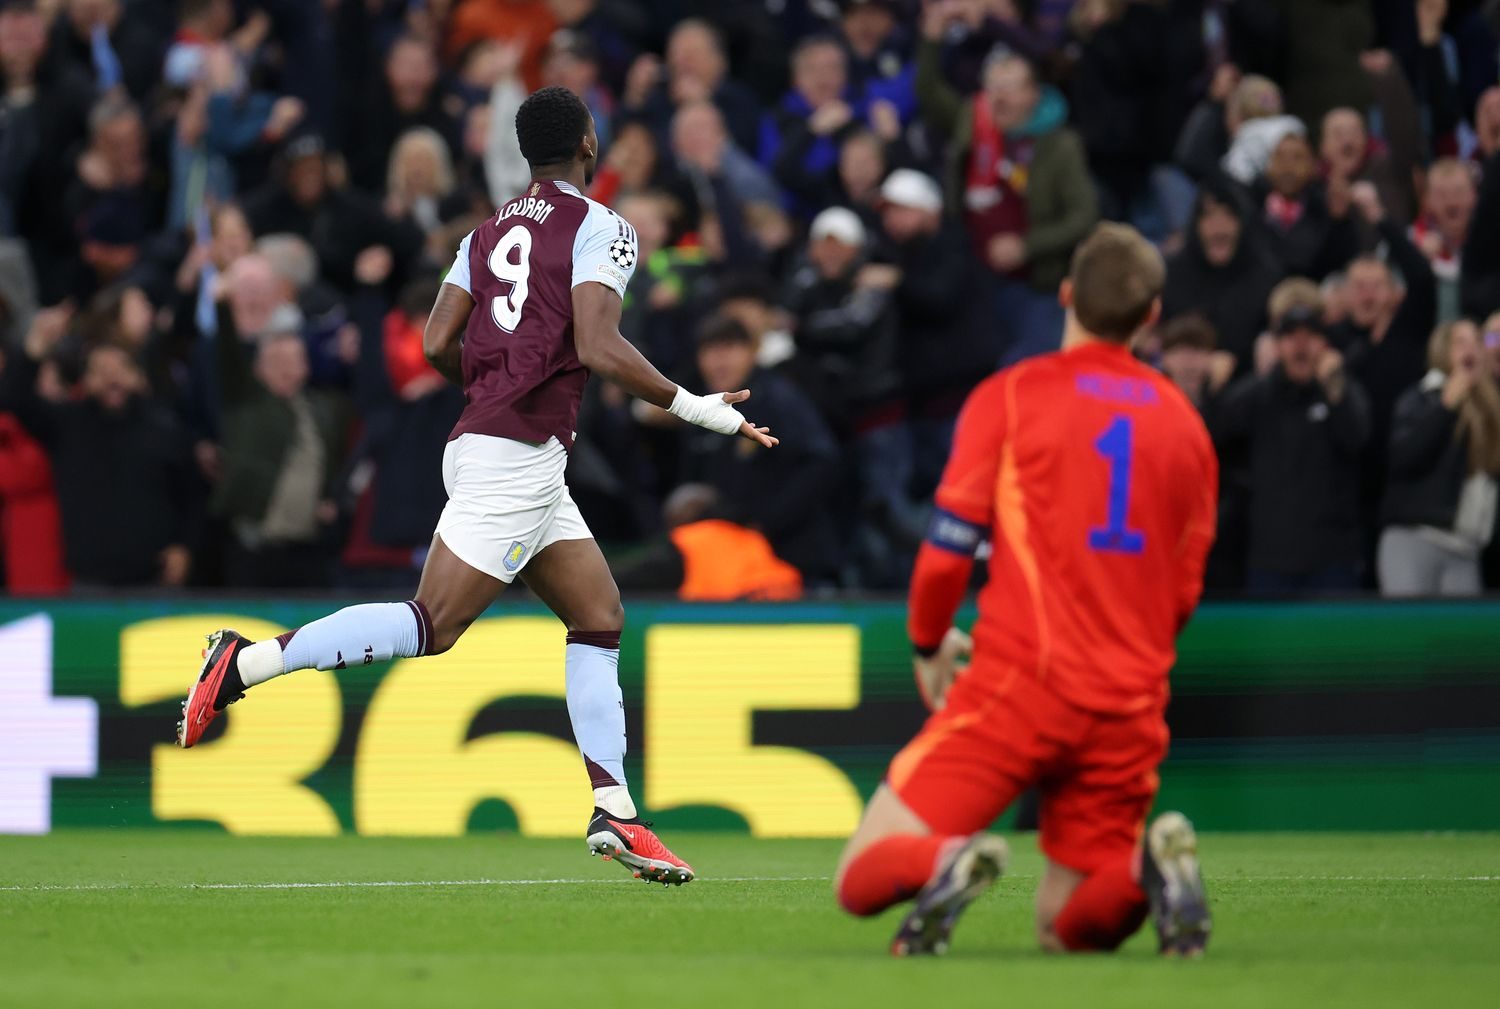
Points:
(889, 871)
(1104, 911)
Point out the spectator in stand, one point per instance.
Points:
(1131, 91)
(629, 166)
(1442, 229)
(44, 111)
(778, 493)
(1304, 426)
(112, 436)
(345, 228)
(720, 177)
(1304, 222)
(572, 62)
(1487, 125)
(1440, 505)
(1479, 288)
(706, 558)
(799, 140)
(1384, 338)
(31, 547)
(968, 32)
(421, 190)
(1347, 151)
(862, 168)
(1322, 43)
(96, 37)
(1254, 123)
(408, 411)
(282, 446)
(1222, 273)
(406, 96)
(1020, 179)
(225, 134)
(109, 196)
(1190, 357)
(1423, 53)
(696, 70)
(846, 337)
(669, 278)
(878, 53)
(944, 306)
(525, 23)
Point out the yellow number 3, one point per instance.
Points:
(250, 779)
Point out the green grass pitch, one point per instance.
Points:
(113, 918)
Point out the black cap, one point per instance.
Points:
(845, 6)
(1300, 317)
(305, 144)
(115, 218)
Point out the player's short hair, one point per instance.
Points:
(1192, 330)
(1117, 276)
(550, 125)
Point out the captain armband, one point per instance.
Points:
(959, 536)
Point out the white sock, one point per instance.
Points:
(616, 801)
(597, 711)
(355, 635)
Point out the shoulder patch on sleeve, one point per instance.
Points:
(622, 252)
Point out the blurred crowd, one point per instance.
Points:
(223, 222)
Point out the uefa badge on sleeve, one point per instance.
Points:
(622, 253)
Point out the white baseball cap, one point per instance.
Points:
(838, 223)
(907, 187)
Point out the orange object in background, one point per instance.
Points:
(723, 561)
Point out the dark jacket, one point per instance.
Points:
(1233, 296)
(1480, 284)
(783, 492)
(403, 438)
(1317, 244)
(1389, 368)
(258, 429)
(125, 481)
(949, 336)
(846, 345)
(378, 124)
(1427, 465)
(339, 228)
(1304, 469)
(1321, 42)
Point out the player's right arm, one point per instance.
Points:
(442, 340)
(602, 350)
(965, 508)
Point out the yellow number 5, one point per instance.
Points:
(703, 684)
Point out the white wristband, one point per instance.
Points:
(706, 411)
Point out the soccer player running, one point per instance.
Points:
(546, 274)
(1096, 483)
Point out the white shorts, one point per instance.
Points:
(507, 502)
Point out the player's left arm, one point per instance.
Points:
(1199, 533)
(961, 521)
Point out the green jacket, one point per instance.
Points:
(257, 428)
(1062, 204)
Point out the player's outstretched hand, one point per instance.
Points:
(762, 435)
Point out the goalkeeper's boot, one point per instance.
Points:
(964, 872)
(211, 693)
(1170, 877)
(635, 845)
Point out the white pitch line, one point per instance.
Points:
(351, 884)
(375, 884)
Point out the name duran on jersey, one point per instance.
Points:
(533, 207)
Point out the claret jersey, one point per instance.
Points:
(522, 376)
